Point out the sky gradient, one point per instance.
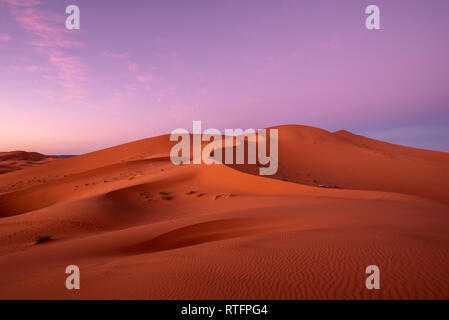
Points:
(137, 69)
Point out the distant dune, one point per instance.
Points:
(16, 160)
(140, 227)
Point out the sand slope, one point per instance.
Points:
(140, 227)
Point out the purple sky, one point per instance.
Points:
(141, 68)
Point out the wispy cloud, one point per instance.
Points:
(133, 67)
(49, 38)
(23, 3)
(144, 78)
(30, 68)
(5, 37)
(115, 55)
(124, 58)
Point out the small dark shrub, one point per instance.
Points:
(41, 239)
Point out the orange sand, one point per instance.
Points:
(262, 238)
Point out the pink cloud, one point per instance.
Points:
(23, 3)
(133, 67)
(5, 37)
(30, 68)
(50, 39)
(115, 55)
(123, 58)
(144, 78)
(71, 73)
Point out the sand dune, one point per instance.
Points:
(17, 160)
(341, 159)
(140, 227)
